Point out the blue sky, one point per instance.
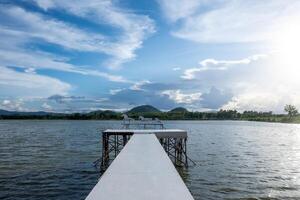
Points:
(70, 56)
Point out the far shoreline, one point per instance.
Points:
(153, 113)
(200, 120)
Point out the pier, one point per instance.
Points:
(172, 140)
(142, 170)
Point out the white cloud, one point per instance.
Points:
(45, 4)
(46, 106)
(56, 103)
(230, 21)
(179, 97)
(258, 82)
(30, 70)
(263, 101)
(20, 84)
(15, 56)
(138, 85)
(115, 91)
(175, 9)
(134, 28)
(6, 102)
(189, 74)
(33, 25)
(23, 29)
(12, 105)
(212, 64)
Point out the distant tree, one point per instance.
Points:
(291, 110)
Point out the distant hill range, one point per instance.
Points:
(11, 113)
(149, 111)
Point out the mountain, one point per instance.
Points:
(39, 113)
(144, 109)
(179, 110)
(5, 112)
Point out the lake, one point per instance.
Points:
(235, 159)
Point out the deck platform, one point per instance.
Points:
(142, 170)
(160, 133)
(174, 142)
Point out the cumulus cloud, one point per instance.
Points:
(184, 98)
(258, 101)
(229, 21)
(46, 106)
(160, 95)
(11, 105)
(127, 98)
(138, 85)
(215, 98)
(212, 64)
(253, 83)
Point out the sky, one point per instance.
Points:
(205, 55)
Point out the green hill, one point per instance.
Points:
(179, 110)
(144, 109)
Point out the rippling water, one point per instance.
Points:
(235, 160)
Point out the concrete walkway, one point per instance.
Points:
(141, 171)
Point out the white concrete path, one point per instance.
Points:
(141, 171)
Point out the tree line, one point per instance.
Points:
(291, 116)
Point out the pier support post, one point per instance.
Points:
(112, 144)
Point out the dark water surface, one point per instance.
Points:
(235, 160)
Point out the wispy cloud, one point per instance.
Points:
(134, 28)
(175, 10)
(32, 26)
(23, 29)
(32, 60)
(229, 21)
